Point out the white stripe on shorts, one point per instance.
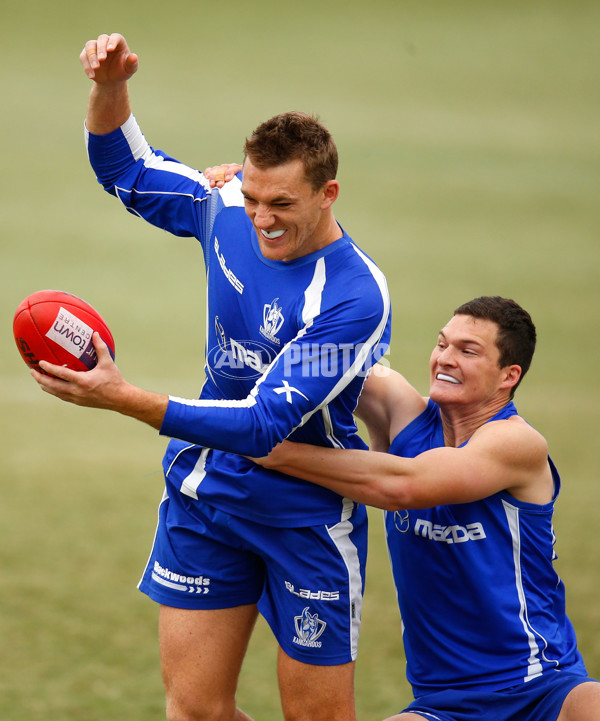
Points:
(340, 535)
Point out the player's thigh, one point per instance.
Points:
(582, 703)
(202, 652)
(315, 693)
(407, 717)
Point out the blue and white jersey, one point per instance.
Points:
(288, 344)
(480, 601)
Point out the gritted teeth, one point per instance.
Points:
(444, 377)
(273, 234)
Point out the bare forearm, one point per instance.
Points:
(502, 456)
(145, 406)
(108, 108)
(367, 477)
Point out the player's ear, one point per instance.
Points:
(511, 376)
(330, 192)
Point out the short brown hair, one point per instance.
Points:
(295, 136)
(516, 332)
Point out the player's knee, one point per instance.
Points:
(200, 709)
(342, 710)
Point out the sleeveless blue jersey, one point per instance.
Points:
(288, 344)
(481, 604)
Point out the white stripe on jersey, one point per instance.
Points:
(140, 149)
(534, 667)
(314, 293)
(138, 145)
(247, 402)
(207, 368)
(231, 193)
(157, 162)
(328, 425)
(370, 343)
(190, 483)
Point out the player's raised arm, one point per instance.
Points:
(108, 61)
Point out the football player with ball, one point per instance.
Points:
(297, 314)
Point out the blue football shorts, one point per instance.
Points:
(308, 582)
(538, 700)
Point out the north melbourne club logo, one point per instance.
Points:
(272, 321)
(309, 628)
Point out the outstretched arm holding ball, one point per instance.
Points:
(102, 387)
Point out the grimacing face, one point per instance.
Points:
(288, 215)
(464, 365)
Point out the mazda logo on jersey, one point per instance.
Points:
(402, 521)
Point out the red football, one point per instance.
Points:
(57, 327)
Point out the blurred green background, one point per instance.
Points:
(470, 164)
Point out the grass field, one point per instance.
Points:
(470, 164)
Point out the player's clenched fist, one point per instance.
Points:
(108, 59)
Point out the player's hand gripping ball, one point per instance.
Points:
(57, 327)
